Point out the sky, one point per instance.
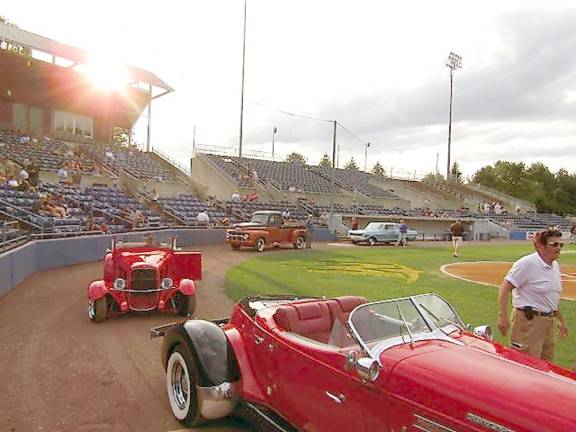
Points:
(375, 66)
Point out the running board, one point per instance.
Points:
(263, 418)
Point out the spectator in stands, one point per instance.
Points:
(10, 168)
(202, 218)
(253, 197)
(25, 186)
(354, 223)
(138, 219)
(254, 176)
(33, 169)
(286, 215)
(403, 233)
(126, 216)
(309, 231)
(90, 225)
(235, 197)
(59, 200)
(104, 229)
(225, 221)
(323, 219)
(572, 234)
(23, 175)
(456, 229)
(109, 155)
(63, 174)
(49, 207)
(12, 182)
(517, 209)
(76, 178)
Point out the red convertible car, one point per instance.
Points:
(144, 277)
(343, 364)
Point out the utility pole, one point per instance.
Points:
(366, 157)
(242, 92)
(274, 130)
(332, 179)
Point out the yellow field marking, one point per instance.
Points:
(391, 270)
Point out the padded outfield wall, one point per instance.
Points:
(19, 263)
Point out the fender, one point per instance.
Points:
(297, 233)
(214, 358)
(97, 289)
(108, 268)
(187, 287)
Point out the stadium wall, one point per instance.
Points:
(19, 263)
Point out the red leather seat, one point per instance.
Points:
(312, 319)
(340, 307)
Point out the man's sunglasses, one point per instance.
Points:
(556, 244)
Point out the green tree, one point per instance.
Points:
(122, 137)
(433, 178)
(455, 173)
(377, 170)
(351, 165)
(296, 157)
(326, 161)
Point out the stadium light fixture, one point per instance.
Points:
(454, 62)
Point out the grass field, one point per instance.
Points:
(388, 272)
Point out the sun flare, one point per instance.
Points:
(105, 74)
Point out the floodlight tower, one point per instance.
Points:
(454, 62)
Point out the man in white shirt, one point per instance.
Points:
(535, 283)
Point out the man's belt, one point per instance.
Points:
(531, 313)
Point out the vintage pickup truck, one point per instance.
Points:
(266, 228)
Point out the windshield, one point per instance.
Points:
(373, 226)
(407, 319)
(259, 219)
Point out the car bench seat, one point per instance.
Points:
(314, 319)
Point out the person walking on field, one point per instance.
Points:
(535, 283)
(402, 235)
(456, 229)
(309, 231)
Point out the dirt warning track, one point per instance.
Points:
(492, 273)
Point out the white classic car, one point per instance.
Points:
(379, 232)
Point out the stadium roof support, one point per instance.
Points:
(54, 48)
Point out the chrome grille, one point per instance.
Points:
(144, 280)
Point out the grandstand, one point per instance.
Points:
(58, 129)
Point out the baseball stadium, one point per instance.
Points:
(74, 181)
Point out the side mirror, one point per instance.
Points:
(484, 332)
(368, 369)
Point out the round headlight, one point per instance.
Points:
(246, 236)
(119, 284)
(167, 283)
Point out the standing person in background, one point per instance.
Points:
(354, 223)
(402, 235)
(456, 229)
(535, 283)
(309, 231)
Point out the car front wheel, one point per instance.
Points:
(371, 241)
(300, 243)
(260, 245)
(97, 309)
(181, 382)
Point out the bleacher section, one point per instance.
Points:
(291, 188)
(353, 180)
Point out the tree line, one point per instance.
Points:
(550, 192)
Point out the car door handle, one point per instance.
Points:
(335, 398)
(258, 339)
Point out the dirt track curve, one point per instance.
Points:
(60, 372)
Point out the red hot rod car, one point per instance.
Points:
(142, 277)
(344, 364)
